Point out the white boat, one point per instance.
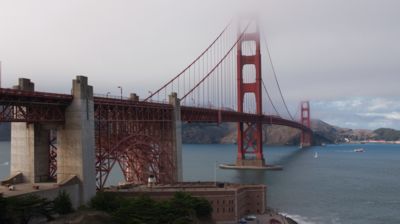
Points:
(359, 150)
(316, 155)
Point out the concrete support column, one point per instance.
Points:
(40, 152)
(177, 135)
(29, 146)
(76, 140)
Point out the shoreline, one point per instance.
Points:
(271, 215)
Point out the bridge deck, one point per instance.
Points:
(25, 106)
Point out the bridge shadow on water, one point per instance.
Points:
(289, 158)
(260, 176)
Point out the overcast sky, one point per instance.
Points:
(342, 55)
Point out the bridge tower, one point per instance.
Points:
(249, 136)
(306, 121)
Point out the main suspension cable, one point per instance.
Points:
(276, 79)
(217, 65)
(190, 65)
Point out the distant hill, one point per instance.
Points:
(337, 134)
(281, 135)
(387, 134)
(199, 133)
(206, 133)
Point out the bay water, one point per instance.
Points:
(339, 186)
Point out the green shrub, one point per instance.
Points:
(62, 203)
(181, 209)
(24, 208)
(4, 216)
(106, 201)
(203, 208)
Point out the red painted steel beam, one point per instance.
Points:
(195, 114)
(12, 95)
(52, 104)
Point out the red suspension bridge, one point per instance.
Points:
(225, 83)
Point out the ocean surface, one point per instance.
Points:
(340, 186)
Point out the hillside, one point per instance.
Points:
(387, 134)
(199, 133)
(280, 135)
(337, 134)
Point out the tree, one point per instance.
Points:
(181, 209)
(141, 209)
(201, 206)
(23, 209)
(106, 201)
(4, 214)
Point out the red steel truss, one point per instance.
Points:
(26, 106)
(52, 155)
(137, 136)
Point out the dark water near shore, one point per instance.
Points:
(340, 186)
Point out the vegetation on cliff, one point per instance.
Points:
(24, 209)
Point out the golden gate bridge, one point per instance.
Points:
(225, 83)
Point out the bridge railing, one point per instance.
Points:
(208, 106)
(115, 97)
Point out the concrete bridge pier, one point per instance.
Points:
(76, 172)
(29, 146)
(176, 135)
(76, 141)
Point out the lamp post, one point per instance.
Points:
(108, 93)
(119, 87)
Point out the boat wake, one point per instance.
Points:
(315, 220)
(299, 219)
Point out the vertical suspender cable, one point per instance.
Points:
(276, 79)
